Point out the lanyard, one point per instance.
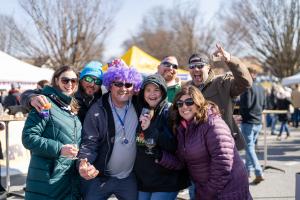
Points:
(122, 121)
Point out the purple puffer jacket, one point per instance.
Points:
(212, 159)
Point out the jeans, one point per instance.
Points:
(251, 132)
(192, 191)
(157, 195)
(101, 188)
(274, 121)
(296, 117)
(284, 127)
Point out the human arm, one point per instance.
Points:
(220, 147)
(33, 98)
(92, 134)
(32, 137)
(241, 78)
(161, 132)
(86, 170)
(170, 161)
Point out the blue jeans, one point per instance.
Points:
(101, 188)
(192, 191)
(296, 117)
(284, 127)
(274, 121)
(251, 132)
(157, 195)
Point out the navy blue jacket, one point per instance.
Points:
(99, 133)
(252, 103)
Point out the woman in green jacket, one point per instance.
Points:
(53, 136)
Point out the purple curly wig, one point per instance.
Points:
(118, 70)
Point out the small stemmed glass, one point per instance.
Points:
(150, 144)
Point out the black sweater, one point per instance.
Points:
(152, 177)
(252, 103)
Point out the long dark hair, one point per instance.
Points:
(202, 104)
(74, 105)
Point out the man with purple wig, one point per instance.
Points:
(108, 146)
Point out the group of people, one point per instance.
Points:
(143, 139)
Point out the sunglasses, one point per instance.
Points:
(121, 84)
(187, 102)
(66, 80)
(90, 79)
(198, 66)
(167, 64)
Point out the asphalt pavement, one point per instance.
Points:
(278, 185)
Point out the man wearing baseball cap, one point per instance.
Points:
(221, 90)
(89, 90)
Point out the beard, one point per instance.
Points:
(169, 76)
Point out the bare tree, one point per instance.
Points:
(269, 30)
(69, 32)
(178, 31)
(12, 37)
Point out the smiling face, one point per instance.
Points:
(121, 92)
(67, 82)
(168, 72)
(152, 94)
(89, 86)
(199, 75)
(187, 112)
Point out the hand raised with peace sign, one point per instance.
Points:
(220, 54)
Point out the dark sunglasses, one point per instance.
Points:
(198, 66)
(187, 102)
(93, 80)
(121, 84)
(167, 64)
(66, 80)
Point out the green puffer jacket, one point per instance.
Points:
(51, 176)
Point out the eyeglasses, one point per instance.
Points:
(121, 84)
(90, 79)
(66, 80)
(198, 66)
(167, 64)
(187, 102)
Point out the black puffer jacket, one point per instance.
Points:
(152, 177)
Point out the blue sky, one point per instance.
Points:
(127, 19)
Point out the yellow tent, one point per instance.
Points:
(144, 62)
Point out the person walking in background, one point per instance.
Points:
(154, 181)
(206, 147)
(108, 147)
(168, 70)
(13, 97)
(295, 98)
(283, 103)
(53, 140)
(89, 90)
(252, 103)
(42, 83)
(2, 189)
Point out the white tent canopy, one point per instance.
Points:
(291, 80)
(14, 70)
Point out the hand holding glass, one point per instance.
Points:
(70, 151)
(150, 144)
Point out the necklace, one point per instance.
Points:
(122, 121)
